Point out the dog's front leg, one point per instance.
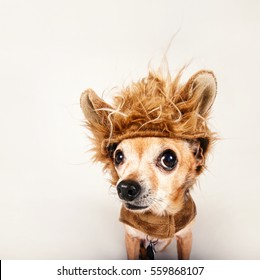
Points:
(184, 243)
(132, 246)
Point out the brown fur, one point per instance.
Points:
(153, 106)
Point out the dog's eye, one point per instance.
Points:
(119, 157)
(168, 160)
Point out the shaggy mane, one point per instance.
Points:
(158, 104)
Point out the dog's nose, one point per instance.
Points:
(128, 190)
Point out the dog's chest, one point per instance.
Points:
(159, 244)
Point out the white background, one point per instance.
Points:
(54, 203)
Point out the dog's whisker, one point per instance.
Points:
(159, 204)
(112, 191)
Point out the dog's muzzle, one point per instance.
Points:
(128, 190)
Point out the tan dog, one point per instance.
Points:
(154, 140)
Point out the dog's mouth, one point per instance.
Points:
(135, 207)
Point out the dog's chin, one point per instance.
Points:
(134, 207)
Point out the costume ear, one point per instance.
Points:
(202, 87)
(95, 109)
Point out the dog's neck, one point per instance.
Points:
(160, 226)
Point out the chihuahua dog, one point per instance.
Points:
(154, 140)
